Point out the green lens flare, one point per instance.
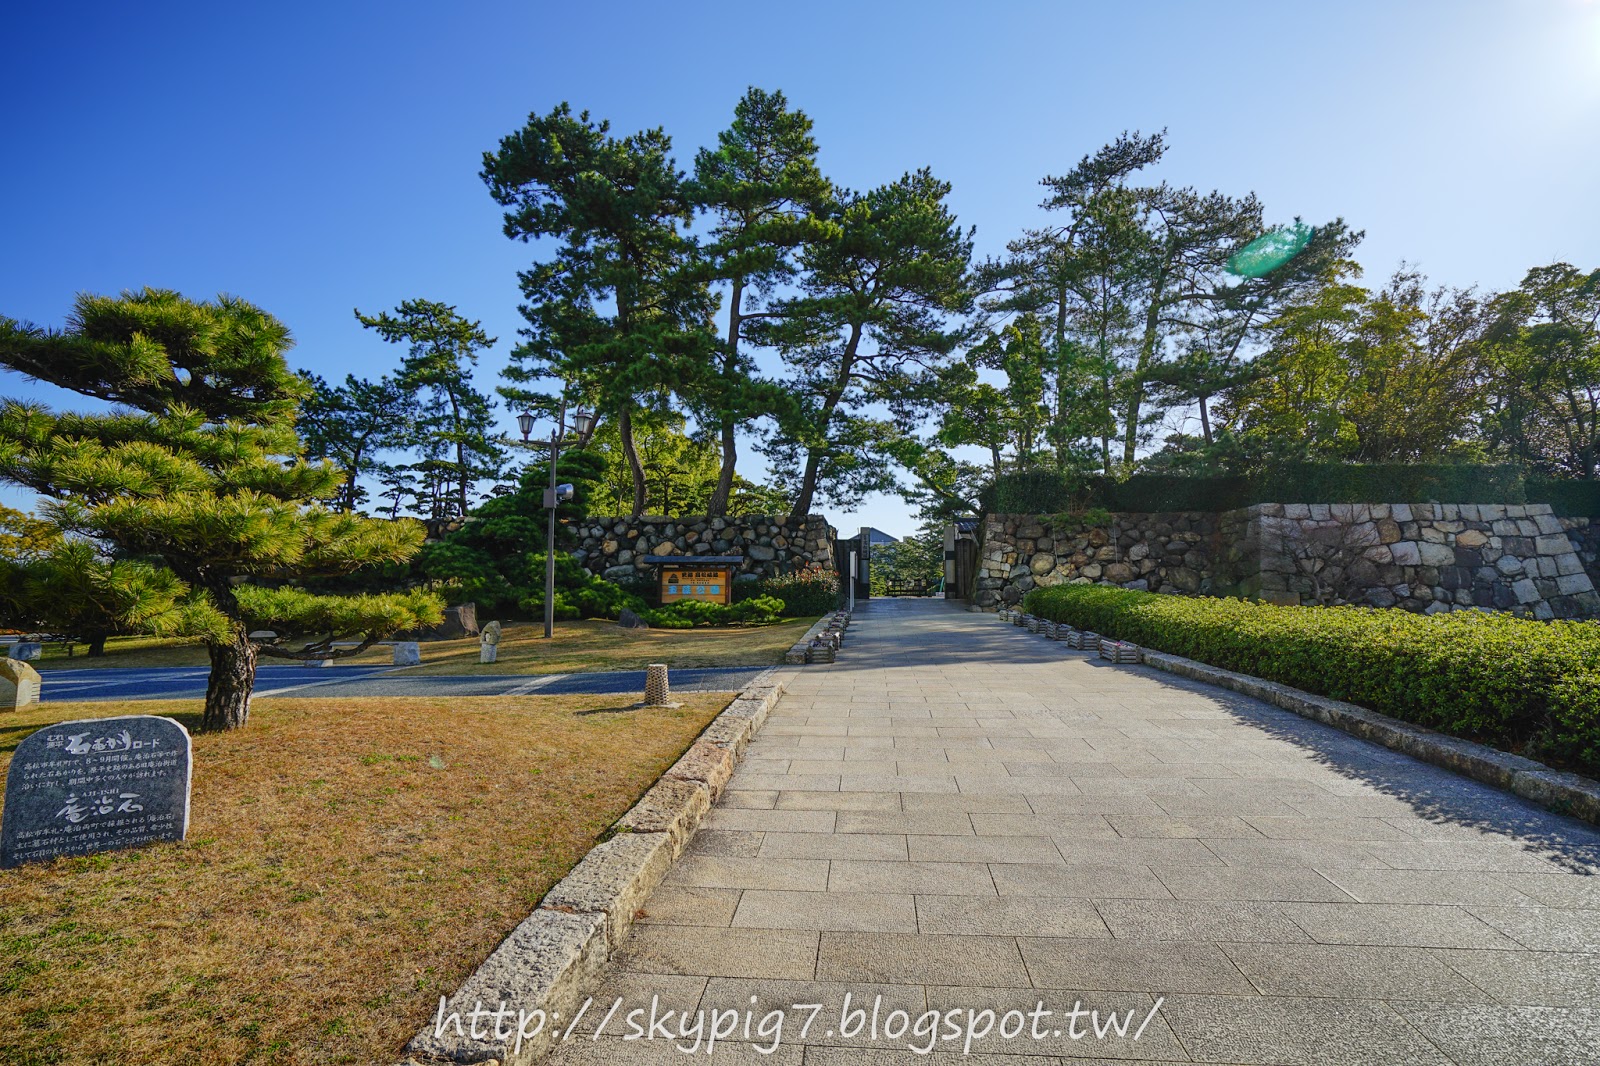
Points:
(1270, 251)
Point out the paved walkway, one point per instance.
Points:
(959, 815)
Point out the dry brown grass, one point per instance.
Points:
(592, 644)
(348, 861)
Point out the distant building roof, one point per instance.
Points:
(878, 536)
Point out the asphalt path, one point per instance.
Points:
(178, 682)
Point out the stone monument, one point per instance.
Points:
(489, 643)
(407, 653)
(95, 785)
(19, 685)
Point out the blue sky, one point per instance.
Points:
(319, 158)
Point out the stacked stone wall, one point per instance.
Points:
(1169, 552)
(1420, 557)
(615, 548)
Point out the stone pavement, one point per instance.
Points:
(959, 815)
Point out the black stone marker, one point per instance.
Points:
(95, 785)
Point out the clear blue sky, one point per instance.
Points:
(318, 158)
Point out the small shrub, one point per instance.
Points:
(684, 614)
(1515, 683)
(805, 592)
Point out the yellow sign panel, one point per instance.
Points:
(711, 585)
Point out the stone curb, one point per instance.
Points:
(557, 955)
(796, 656)
(1564, 793)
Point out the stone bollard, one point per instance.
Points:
(19, 685)
(27, 651)
(489, 643)
(407, 653)
(656, 689)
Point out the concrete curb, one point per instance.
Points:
(557, 955)
(1561, 792)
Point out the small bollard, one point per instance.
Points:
(656, 689)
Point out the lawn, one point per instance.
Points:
(348, 862)
(592, 644)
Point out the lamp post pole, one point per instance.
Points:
(550, 544)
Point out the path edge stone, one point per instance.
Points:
(557, 955)
(1564, 793)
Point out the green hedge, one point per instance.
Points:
(1050, 492)
(1577, 498)
(1520, 685)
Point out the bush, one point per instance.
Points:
(684, 614)
(1576, 498)
(1517, 684)
(804, 593)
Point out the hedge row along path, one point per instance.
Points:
(963, 816)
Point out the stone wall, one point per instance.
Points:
(615, 547)
(1428, 557)
(1420, 557)
(1170, 552)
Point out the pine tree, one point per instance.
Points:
(454, 427)
(350, 424)
(199, 470)
(876, 299)
(762, 186)
(620, 314)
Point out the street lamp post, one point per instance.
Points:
(553, 496)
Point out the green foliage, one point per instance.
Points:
(1578, 498)
(686, 614)
(806, 592)
(764, 193)
(1047, 492)
(73, 591)
(1514, 683)
(919, 557)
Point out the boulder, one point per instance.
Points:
(628, 620)
(19, 685)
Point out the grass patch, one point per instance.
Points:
(581, 646)
(348, 862)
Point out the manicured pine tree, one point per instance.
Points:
(198, 468)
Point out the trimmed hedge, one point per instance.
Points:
(1575, 498)
(1516, 684)
(1050, 492)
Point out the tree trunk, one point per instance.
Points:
(97, 645)
(1205, 421)
(233, 677)
(717, 506)
(635, 468)
(808, 483)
